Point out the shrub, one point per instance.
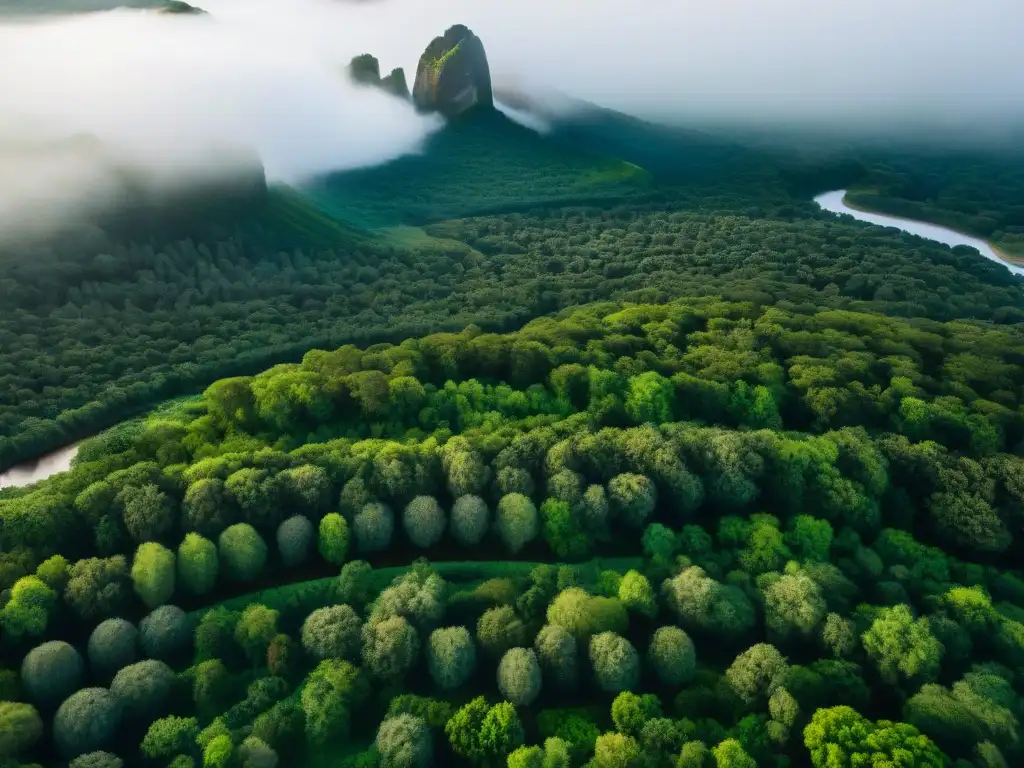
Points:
(112, 645)
(242, 552)
(470, 520)
(672, 656)
(499, 629)
(165, 632)
(451, 656)
(169, 736)
(153, 574)
(519, 676)
(516, 521)
(295, 540)
(424, 521)
(198, 564)
(87, 721)
(100, 760)
(256, 628)
(50, 673)
(556, 654)
(405, 741)
(20, 728)
(615, 662)
(390, 647)
(585, 615)
(142, 689)
(333, 632)
(373, 527)
(332, 538)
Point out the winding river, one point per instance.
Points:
(29, 472)
(834, 202)
(60, 460)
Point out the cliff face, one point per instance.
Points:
(453, 75)
(365, 70)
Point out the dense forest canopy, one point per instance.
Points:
(605, 448)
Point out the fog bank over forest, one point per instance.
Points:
(166, 94)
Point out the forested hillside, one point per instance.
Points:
(118, 320)
(695, 533)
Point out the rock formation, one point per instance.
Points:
(365, 70)
(453, 76)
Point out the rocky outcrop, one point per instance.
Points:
(365, 70)
(177, 6)
(453, 76)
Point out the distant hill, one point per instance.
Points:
(478, 163)
(35, 7)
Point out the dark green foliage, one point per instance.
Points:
(615, 662)
(498, 630)
(87, 721)
(470, 519)
(113, 645)
(671, 656)
(98, 760)
(333, 690)
(333, 632)
(165, 632)
(451, 656)
(295, 540)
(242, 552)
(98, 587)
(142, 689)
(373, 527)
(405, 741)
(169, 736)
(51, 672)
(20, 728)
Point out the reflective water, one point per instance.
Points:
(833, 201)
(33, 471)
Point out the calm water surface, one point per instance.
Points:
(833, 202)
(33, 471)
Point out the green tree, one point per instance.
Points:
(165, 632)
(499, 629)
(198, 564)
(424, 521)
(148, 512)
(254, 631)
(451, 656)
(373, 527)
(207, 508)
(519, 678)
(730, 754)
(636, 594)
(756, 672)
(153, 573)
(557, 656)
(615, 662)
(169, 736)
(650, 398)
(332, 541)
(242, 552)
(584, 615)
(87, 721)
(20, 728)
(390, 648)
(616, 750)
(470, 519)
(143, 689)
(902, 648)
(27, 612)
(113, 645)
(841, 736)
(295, 540)
(632, 498)
(51, 672)
(810, 538)
(333, 632)
(333, 690)
(701, 603)
(631, 712)
(405, 741)
(516, 521)
(672, 656)
(794, 604)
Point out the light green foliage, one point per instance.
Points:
(373, 527)
(243, 552)
(650, 398)
(636, 594)
(470, 519)
(87, 721)
(794, 604)
(333, 632)
(333, 538)
(499, 629)
(902, 647)
(730, 754)
(255, 753)
(514, 480)
(765, 548)
(616, 750)
(405, 741)
(219, 753)
(501, 730)
(566, 486)
(153, 573)
(557, 656)
(112, 645)
(307, 488)
(54, 571)
(839, 635)
(331, 693)
(694, 754)
(147, 512)
(701, 603)
(658, 542)
(632, 498)
(841, 736)
(169, 736)
(424, 521)
(418, 595)
(615, 662)
(390, 648)
(526, 757)
(595, 513)
(756, 672)
(481, 733)
(295, 540)
(207, 508)
(519, 678)
(672, 656)
(51, 672)
(584, 615)
(451, 656)
(211, 686)
(142, 689)
(783, 707)
(27, 613)
(630, 712)
(254, 631)
(516, 521)
(98, 587)
(198, 564)
(20, 728)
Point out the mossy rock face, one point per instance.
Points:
(365, 69)
(395, 83)
(453, 75)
